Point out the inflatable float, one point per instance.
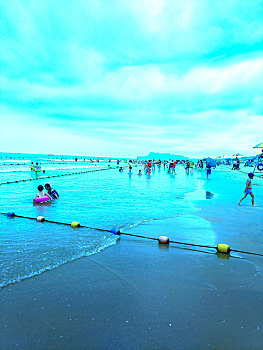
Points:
(44, 199)
(36, 169)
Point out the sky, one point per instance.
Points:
(126, 77)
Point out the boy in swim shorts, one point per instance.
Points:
(248, 189)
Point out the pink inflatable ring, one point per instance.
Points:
(163, 240)
(42, 199)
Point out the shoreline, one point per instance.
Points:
(137, 294)
(136, 288)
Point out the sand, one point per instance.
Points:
(137, 295)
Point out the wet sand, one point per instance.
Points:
(137, 295)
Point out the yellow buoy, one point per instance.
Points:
(223, 248)
(75, 224)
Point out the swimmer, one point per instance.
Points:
(121, 169)
(40, 193)
(248, 189)
(36, 168)
(140, 172)
(52, 193)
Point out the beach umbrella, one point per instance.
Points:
(211, 162)
(260, 145)
(237, 155)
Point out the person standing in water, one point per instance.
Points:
(208, 171)
(248, 189)
(52, 193)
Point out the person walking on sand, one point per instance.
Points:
(248, 189)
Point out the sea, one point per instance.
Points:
(102, 199)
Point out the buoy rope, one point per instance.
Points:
(14, 164)
(136, 235)
(244, 252)
(70, 162)
(58, 175)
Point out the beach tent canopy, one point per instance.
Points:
(211, 162)
(260, 145)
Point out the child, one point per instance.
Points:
(248, 189)
(41, 193)
(37, 167)
(52, 193)
(140, 172)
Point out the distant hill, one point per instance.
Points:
(162, 156)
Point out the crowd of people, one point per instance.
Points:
(151, 165)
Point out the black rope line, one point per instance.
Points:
(69, 162)
(244, 252)
(58, 175)
(135, 235)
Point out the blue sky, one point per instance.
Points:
(123, 78)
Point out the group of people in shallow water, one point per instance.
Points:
(150, 165)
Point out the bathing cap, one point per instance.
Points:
(250, 174)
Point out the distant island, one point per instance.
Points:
(163, 156)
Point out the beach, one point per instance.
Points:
(133, 293)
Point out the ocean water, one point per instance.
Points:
(106, 199)
(103, 199)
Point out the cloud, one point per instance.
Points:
(141, 74)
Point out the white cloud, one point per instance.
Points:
(145, 83)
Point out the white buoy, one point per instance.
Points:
(163, 240)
